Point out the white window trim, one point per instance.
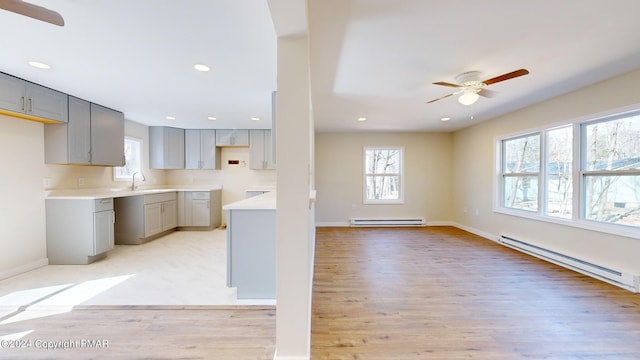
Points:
(128, 177)
(400, 199)
(577, 219)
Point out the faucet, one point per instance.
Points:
(133, 179)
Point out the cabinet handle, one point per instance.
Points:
(30, 105)
(24, 104)
(114, 216)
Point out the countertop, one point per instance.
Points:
(265, 201)
(103, 193)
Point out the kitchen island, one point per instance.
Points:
(251, 246)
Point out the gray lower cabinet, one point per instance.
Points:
(251, 252)
(199, 210)
(166, 147)
(142, 218)
(23, 97)
(79, 231)
(94, 135)
(200, 149)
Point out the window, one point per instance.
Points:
(383, 175)
(520, 170)
(539, 171)
(559, 176)
(610, 170)
(133, 160)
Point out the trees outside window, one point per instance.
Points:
(540, 167)
(520, 170)
(611, 170)
(559, 174)
(133, 160)
(383, 175)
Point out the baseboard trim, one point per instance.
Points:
(475, 231)
(23, 268)
(333, 224)
(276, 357)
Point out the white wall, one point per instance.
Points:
(294, 218)
(473, 175)
(22, 222)
(339, 179)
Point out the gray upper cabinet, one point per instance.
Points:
(94, 135)
(32, 100)
(232, 137)
(166, 147)
(261, 151)
(200, 149)
(107, 136)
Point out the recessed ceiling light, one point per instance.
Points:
(211, 118)
(446, 118)
(362, 118)
(39, 65)
(170, 117)
(201, 67)
(255, 118)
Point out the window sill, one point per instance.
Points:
(619, 230)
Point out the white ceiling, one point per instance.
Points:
(372, 58)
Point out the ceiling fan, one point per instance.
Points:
(472, 88)
(32, 11)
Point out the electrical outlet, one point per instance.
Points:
(477, 212)
(46, 182)
(80, 181)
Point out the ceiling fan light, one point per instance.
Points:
(468, 98)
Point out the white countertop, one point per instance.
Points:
(265, 201)
(102, 193)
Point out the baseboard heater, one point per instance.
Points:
(627, 281)
(388, 222)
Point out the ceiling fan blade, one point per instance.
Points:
(507, 76)
(487, 93)
(446, 84)
(32, 11)
(440, 98)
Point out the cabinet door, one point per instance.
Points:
(200, 212)
(152, 219)
(210, 155)
(261, 150)
(192, 152)
(103, 232)
(232, 137)
(12, 93)
(107, 136)
(79, 131)
(46, 103)
(169, 215)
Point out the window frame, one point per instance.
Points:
(366, 175)
(118, 174)
(578, 173)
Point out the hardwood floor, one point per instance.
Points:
(442, 293)
(403, 293)
(153, 332)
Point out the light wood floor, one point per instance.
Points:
(153, 332)
(405, 293)
(441, 293)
